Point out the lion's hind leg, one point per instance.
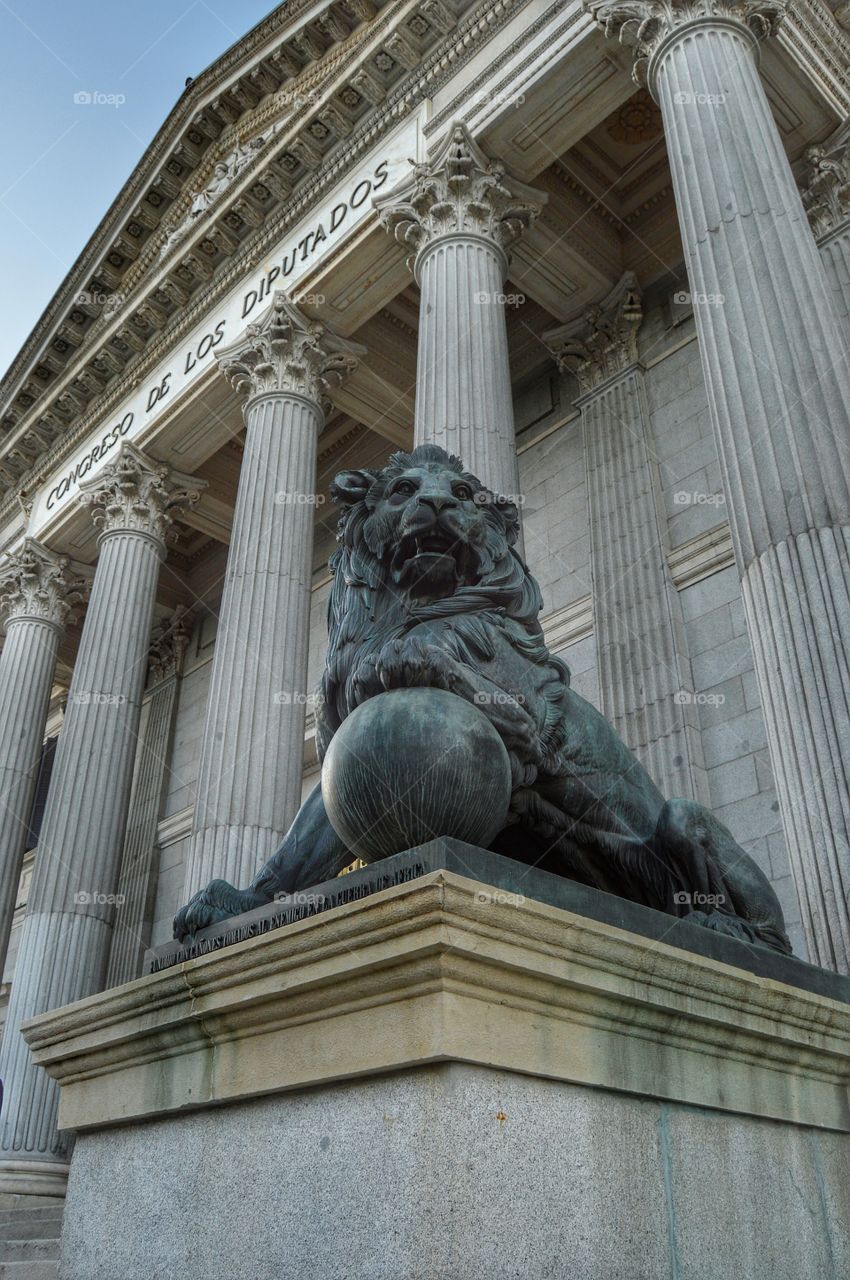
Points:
(721, 885)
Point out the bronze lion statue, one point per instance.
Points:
(428, 590)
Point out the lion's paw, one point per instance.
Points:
(219, 901)
(407, 663)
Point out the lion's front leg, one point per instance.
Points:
(411, 661)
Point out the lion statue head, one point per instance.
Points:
(421, 539)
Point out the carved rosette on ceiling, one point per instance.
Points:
(459, 191)
(285, 351)
(641, 25)
(37, 583)
(136, 494)
(603, 342)
(826, 193)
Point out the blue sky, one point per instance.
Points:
(65, 161)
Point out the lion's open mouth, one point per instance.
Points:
(433, 561)
(437, 541)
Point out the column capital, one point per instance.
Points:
(285, 351)
(603, 342)
(459, 191)
(826, 190)
(37, 583)
(137, 494)
(169, 642)
(645, 25)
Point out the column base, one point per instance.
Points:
(448, 1078)
(41, 1178)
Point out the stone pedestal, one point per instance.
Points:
(448, 1078)
(460, 213)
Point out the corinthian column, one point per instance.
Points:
(71, 909)
(826, 197)
(775, 362)
(644, 669)
(37, 593)
(249, 783)
(459, 214)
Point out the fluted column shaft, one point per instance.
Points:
(463, 385)
(775, 363)
(249, 782)
(27, 665)
(644, 669)
(37, 592)
(460, 213)
(71, 910)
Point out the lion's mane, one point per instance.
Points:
(365, 609)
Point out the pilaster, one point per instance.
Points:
(826, 197)
(137, 882)
(644, 667)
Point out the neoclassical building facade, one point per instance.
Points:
(602, 252)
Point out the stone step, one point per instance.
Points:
(29, 1250)
(30, 1229)
(10, 1216)
(29, 1270)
